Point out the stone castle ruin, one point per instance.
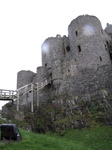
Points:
(75, 65)
(76, 72)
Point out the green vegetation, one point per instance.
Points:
(86, 119)
(94, 138)
(51, 117)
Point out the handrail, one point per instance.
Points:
(24, 86)
(8, 90)
(16, 94)
(7, 94)
(24, 89)
(31, 84)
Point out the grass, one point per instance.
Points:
(95, 138)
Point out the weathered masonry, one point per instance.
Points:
(73, 65)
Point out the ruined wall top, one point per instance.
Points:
(85, 47)
(108, 29)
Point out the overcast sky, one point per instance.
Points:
(25, 24)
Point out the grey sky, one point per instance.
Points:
(25, 24)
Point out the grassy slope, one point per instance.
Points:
(96, 138)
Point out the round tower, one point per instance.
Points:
(42, 73)
(52, 48)
(24, 77)
(56, 73)
(87, 42)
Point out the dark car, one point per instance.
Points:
(10, 132)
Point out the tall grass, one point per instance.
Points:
(95, 138)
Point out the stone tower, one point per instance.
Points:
(52, 56)
(52, 48)
(87, 42)
(24, 77)
(75, 64)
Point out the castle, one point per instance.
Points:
(75, 65)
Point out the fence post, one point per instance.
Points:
(32, 98)
(37, 97)
(0, 93)
(10, 94)
(26, 95)
(18, 100)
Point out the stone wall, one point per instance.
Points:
(87, 82)
(76, 65)
(52, 48)
(42, 73)
(24, 77)
(87, 42)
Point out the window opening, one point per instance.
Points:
(50, 77)
(76, 33)
(68, 70)
(106, 47)
(45, 65)
(107, 42)
(79, 48)
(110, 56)
(68, 48)
(100, 58)
(51, 74)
